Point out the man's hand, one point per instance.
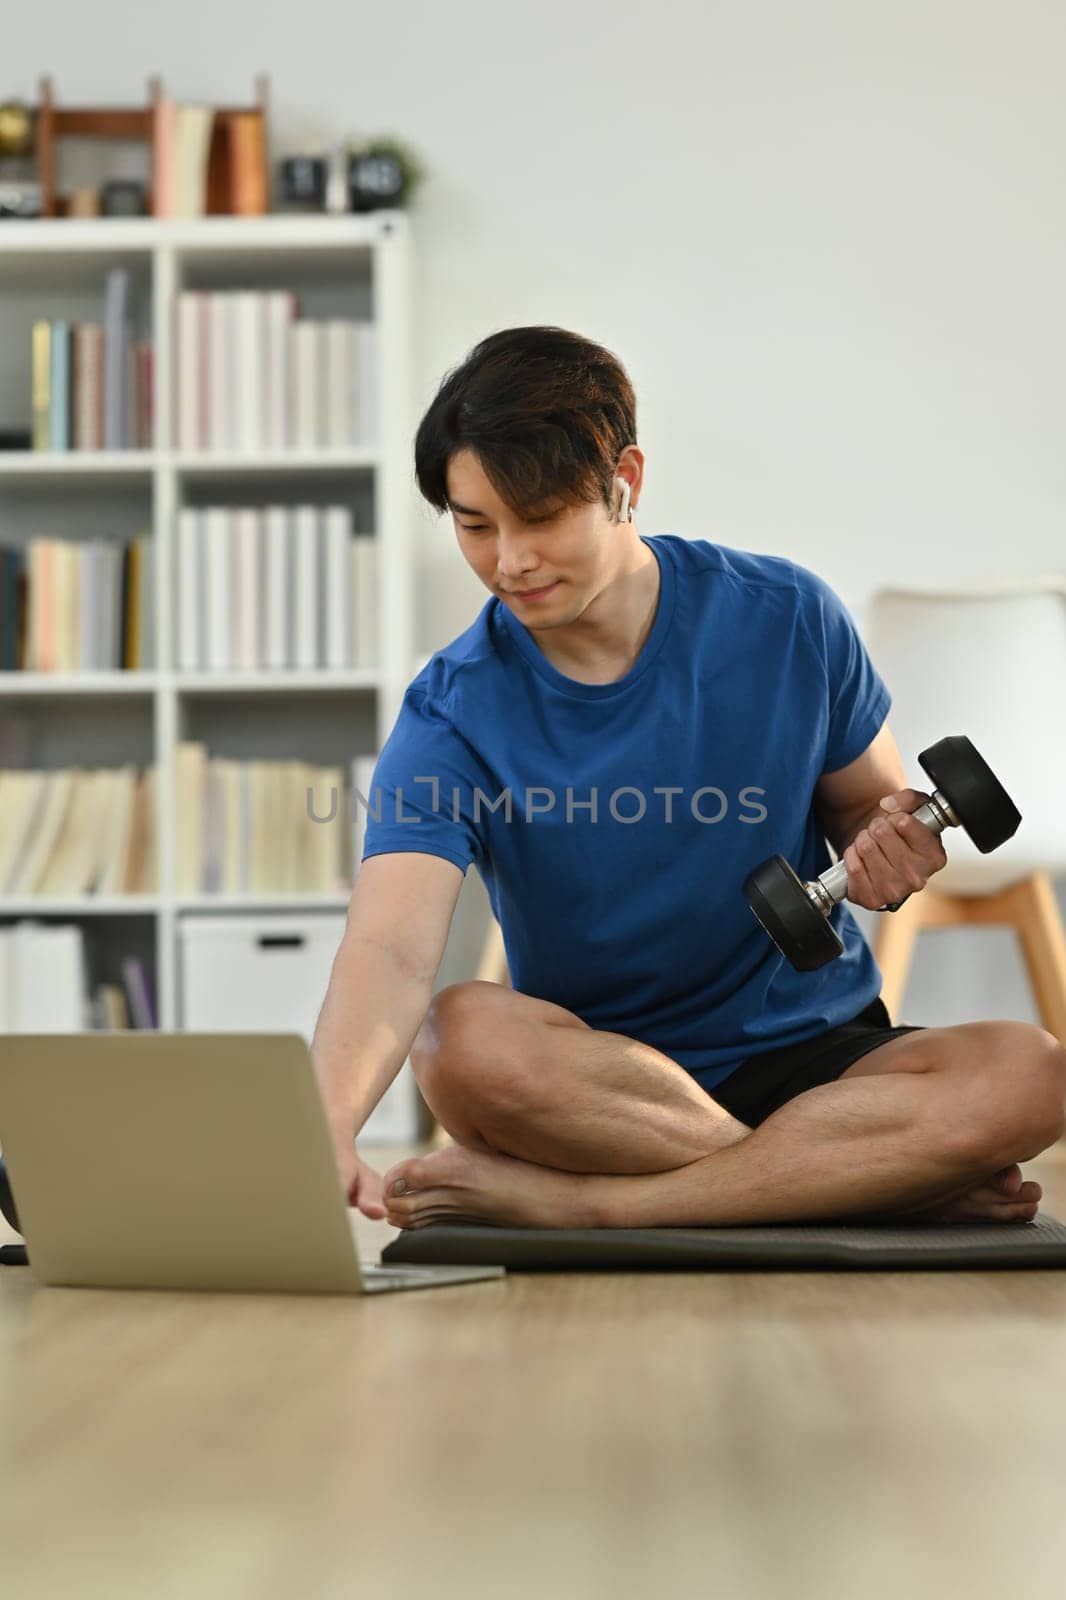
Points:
(894, 854)
(362, 1185)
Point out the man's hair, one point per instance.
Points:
(546, 412)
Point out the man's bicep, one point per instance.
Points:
(853, 791)
(403, 901)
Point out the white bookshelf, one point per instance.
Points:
(56, 268)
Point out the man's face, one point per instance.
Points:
(563, 550)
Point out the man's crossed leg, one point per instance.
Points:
(561, 1125)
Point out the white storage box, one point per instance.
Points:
(269, 974)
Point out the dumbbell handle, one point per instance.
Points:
(832, 885)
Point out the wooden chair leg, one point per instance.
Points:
(897, 934)
(1043, 942)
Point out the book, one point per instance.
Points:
(41, 840)
(249, 362)
(116, 340)
(192, 136)
(140, 992)
(60, 386)
(218, 567)
(337, 585)
(62, 869)
(22, 795)
(110, 1011)
(364, 601)
(221, 388)
(190, 427)
(47, 978)
(41, 377)
(88, 351)
(277, 649)
(280, 314)
(77, 831)
(306, 588)
(190, 764)
(142, 867)
(12, 595)
(65, 604)
(163, 134)
(191, 603)
(248, 588)
(118, 831)
(305, 361)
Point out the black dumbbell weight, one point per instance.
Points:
(966, 794)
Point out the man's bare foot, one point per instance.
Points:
(457, 1184)
(1001, 1198)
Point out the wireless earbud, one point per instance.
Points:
(624, 513)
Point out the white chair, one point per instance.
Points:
(989, 663)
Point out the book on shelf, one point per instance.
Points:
(140, 993)
(92, 382)
(251, 375)
(77, 831)
(259, 827)
(77, 605)
(110, 1010)
(45, 984)
(208, 160)
(270, 588)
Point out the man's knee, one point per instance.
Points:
(1012, 1086)
(461, 1029)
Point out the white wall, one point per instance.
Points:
(827, 239)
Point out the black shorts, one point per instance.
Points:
(763, 1083)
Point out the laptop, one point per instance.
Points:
(204, 1161)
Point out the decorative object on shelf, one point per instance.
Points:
(301, 183)
(83, 202)
(20, 199)
(16, 130)
(20, 194)
(382, 173)
(126, 123)
(337, 180)
(122, 197)
(376, 175)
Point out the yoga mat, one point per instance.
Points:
(785, 1246)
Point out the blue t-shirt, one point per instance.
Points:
(614, 824)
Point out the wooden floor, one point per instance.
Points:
(766, 1435)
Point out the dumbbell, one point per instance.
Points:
(966, 794)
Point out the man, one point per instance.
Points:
(628, 727)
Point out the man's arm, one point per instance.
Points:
(382, 981)
(887, 855)
(847, 799)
